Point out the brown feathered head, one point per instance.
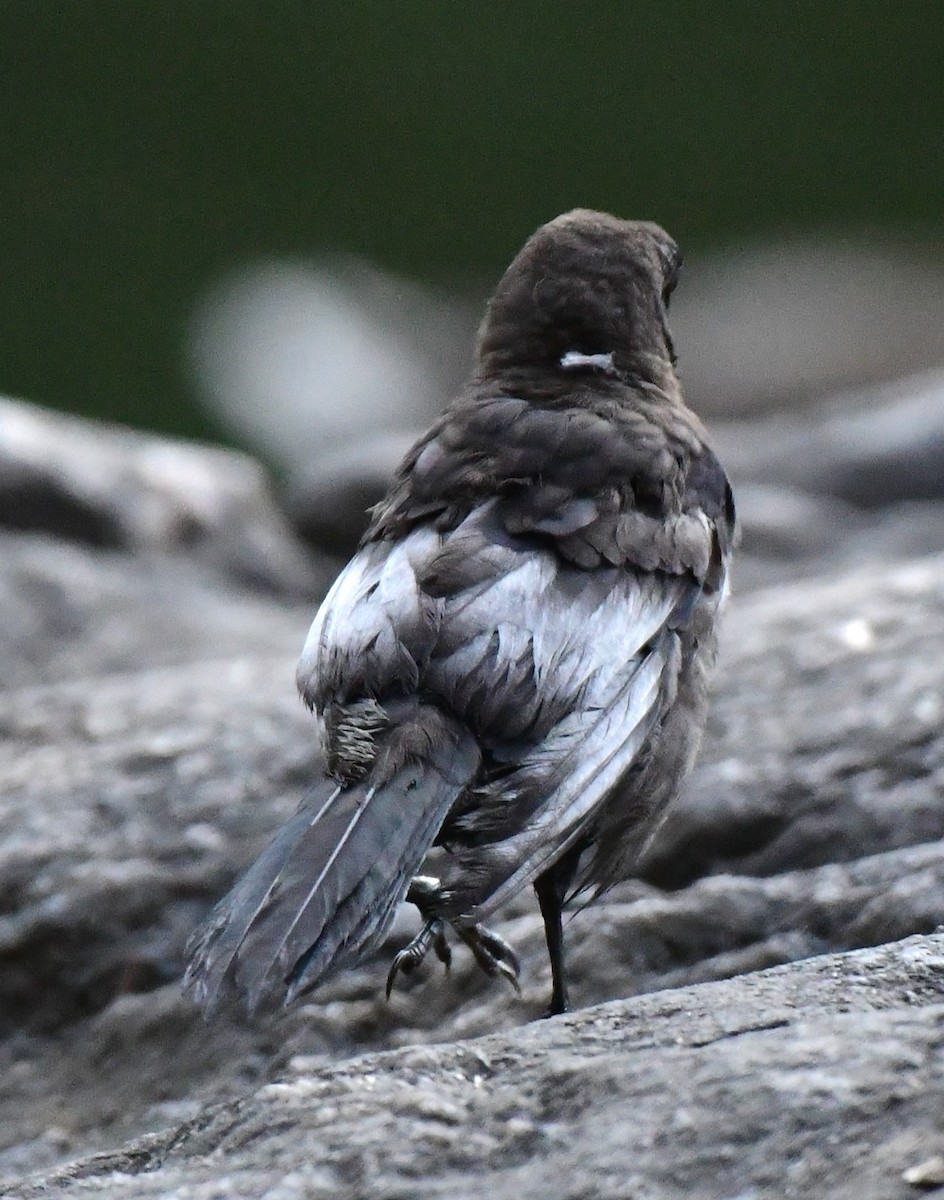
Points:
(588, 285)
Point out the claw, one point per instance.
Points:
(411, 956)
(441, 947)
(492, 953)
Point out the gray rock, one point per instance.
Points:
(871, 448)
(130, 800)
(72, 613)
(825, 735)
(111, 487)
(328, 501)
(151, 739)
(302, 359)
(822, 1078)
(786, 325)
(788, 534)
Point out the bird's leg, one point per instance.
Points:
(551, 888)
(410, 957)
(490, 951)
(423, 892)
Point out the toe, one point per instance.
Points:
(492, 953)
(500, 950)
(442, 949)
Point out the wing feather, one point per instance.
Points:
(375, 628)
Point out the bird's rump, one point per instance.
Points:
(375, 628)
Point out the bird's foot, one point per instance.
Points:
(492, 953)
(433, 934)
(556, 1007)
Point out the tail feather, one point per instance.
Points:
(324, 891)
(215, 945)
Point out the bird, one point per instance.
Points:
(511, 674)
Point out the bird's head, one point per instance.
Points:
(587, 291)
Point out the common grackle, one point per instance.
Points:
(514, 665)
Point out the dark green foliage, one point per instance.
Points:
(151, 146)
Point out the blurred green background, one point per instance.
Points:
(148, 148)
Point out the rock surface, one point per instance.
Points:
(824, 1078)
(110, 487)
(150, 739)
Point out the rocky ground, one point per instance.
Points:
(155, 598)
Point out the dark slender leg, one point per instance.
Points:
(423, 892)
(551, 888)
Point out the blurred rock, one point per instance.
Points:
(783, 523)
(332, 370)
(328, 502)
(788, 534)
(111, 487)
(818, 1079)
(871, 449)
(304, 360)
(786, 325)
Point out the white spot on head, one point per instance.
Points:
(573, 360)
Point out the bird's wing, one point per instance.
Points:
(375, 628)
(563, 672)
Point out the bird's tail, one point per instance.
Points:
(324, 891)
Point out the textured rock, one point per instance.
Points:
(826, 731)
(72, 613)
(111, 487)
(150, 740)
(126, 799)
(825, 1078)
(813, 823)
